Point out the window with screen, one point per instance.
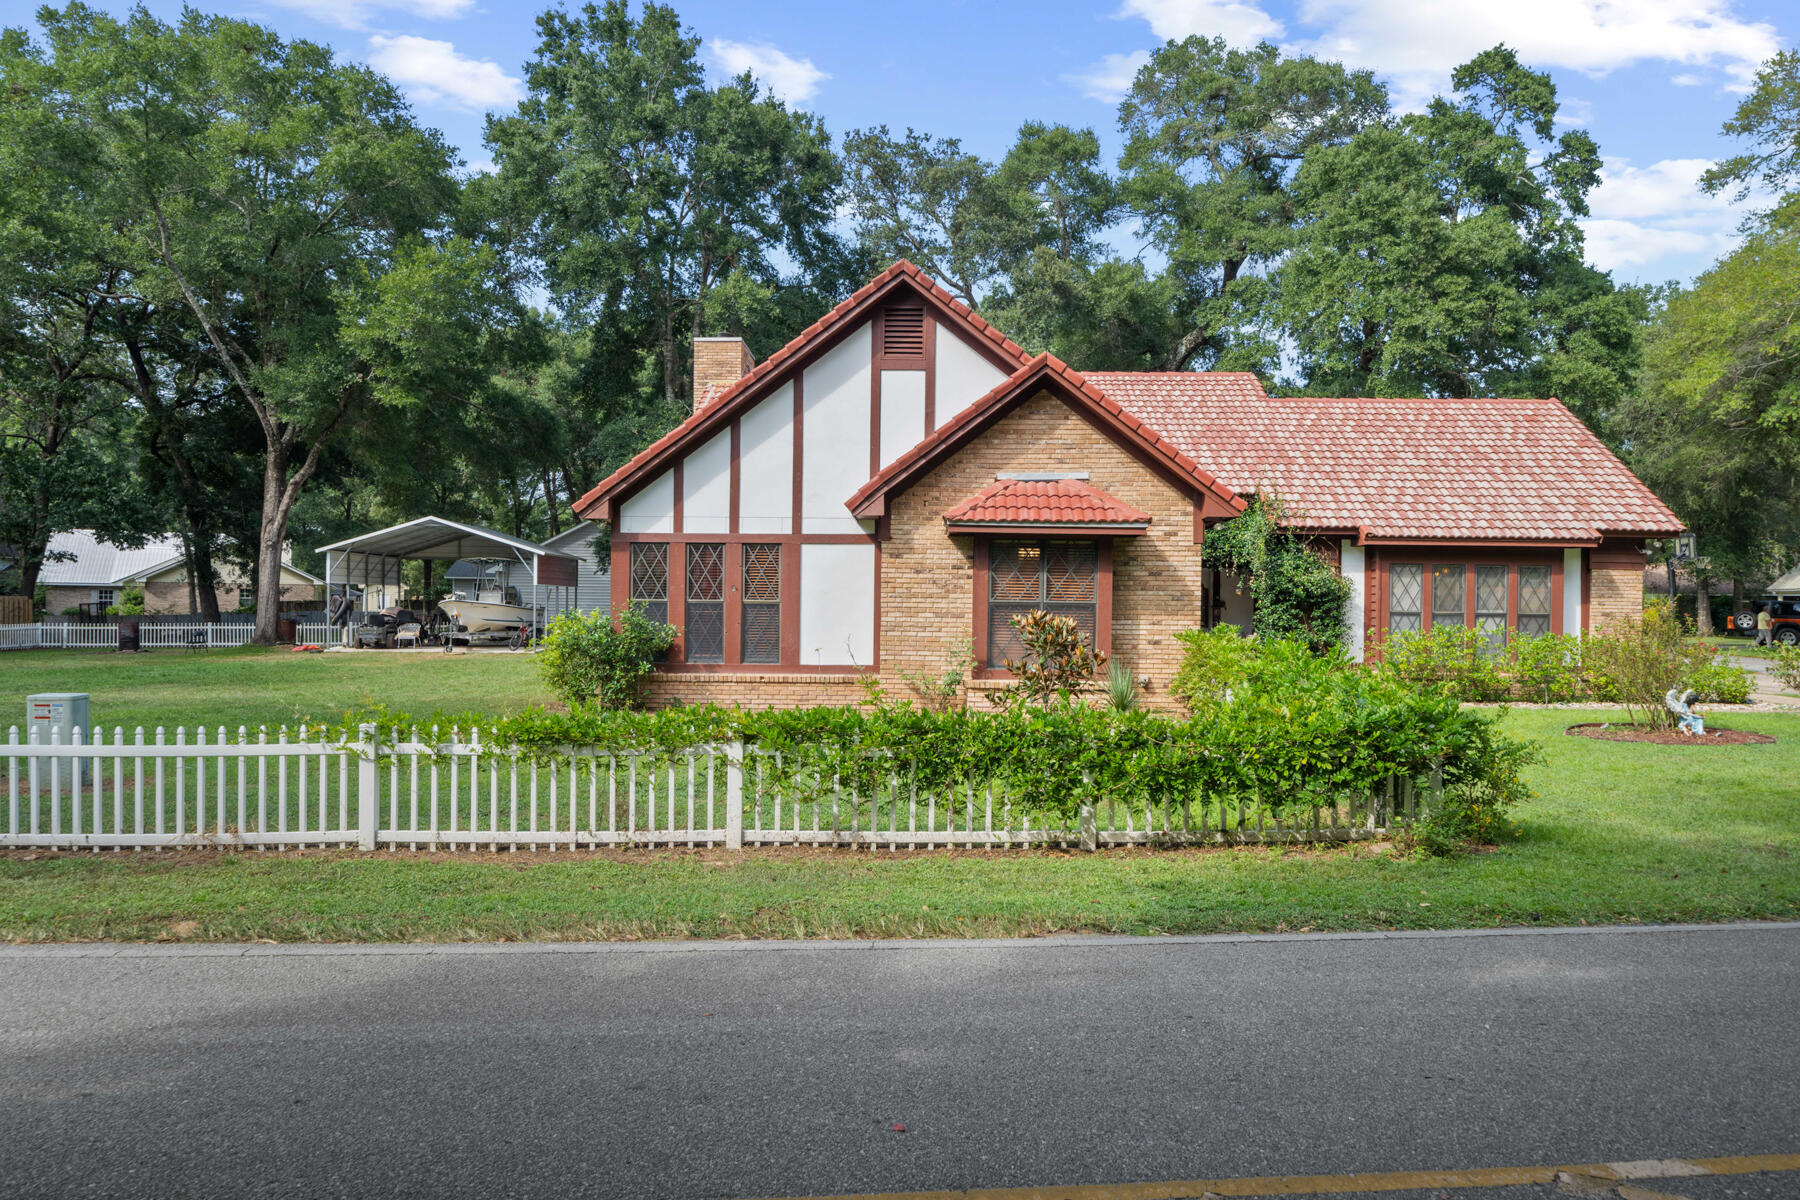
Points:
(650, 579)
(1406, 597)
(246, 597)
(703, 633)
(104, 596)
(1490, 603)
(762, 604)
(1534, 601)
(1062, 578)
(1447, 595)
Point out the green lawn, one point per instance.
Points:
(1621, 833)
(255, 686)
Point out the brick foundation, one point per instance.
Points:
(753, 690)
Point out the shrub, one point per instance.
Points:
(1720, 683)
(1547, 668)
(1482, 785)
(1459, 659)
(1640, 659)
(596, 658)
(1784, 665)
(1213, 662)
(131, 604)
(1121, 688)
(1058, 662)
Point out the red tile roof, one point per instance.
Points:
(870, 499)
(714, 409)
(1468, 470)
(1043, 502)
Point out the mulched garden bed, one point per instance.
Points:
(1620, 732)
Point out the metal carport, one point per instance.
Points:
(374, 559)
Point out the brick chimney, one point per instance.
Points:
(719, 362)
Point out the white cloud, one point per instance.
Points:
(1655, 223)
(1241, 24)
(795, 80)
(1109, 79)
(432, 72)
(1686, 79)
(355, 14)
(1415, 43)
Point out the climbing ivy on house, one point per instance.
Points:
(1296, 591)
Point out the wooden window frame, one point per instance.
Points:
(1383, 558)
(1103, 599)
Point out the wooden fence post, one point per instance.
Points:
(367, 752)
(734, 796)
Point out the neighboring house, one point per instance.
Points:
(593, 586)
(83, 570)
(902, 476)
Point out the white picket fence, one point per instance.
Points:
(459, 792)
(152, 635)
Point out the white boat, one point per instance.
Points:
(492, 611)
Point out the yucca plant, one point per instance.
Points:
(1121, 688)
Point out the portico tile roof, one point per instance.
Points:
(1043, 502)
(1455, 470)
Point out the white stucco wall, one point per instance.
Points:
(835, 435)
(1571, 621)
(766, 465)
(902, 413)
(963, 376)
(837, 605)
(706, 486)
(1356, 614)
(652, 509)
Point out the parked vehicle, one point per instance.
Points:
(1784, 624)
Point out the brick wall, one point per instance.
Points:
(1615, 583)
(928, 577)
(718, 363)
(56, 599)
(753, 690)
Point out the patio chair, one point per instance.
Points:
(407, 634)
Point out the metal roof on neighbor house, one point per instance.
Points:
(95, 562)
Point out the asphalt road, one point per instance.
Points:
(707, 1069)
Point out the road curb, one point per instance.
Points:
(1094, 941)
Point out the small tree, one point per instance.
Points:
(1639, 659)
(596, 658)
(1058, 662)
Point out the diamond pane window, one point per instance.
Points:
(1406, 597)
(1447, 595)
(1058, 577)
(650, 579)
(1013, 571)
(762, 604)
(704, 634)
(1534, 601)
(1071, 572)
(1490, 604)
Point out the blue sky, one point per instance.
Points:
(1651, 79)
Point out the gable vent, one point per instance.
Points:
(903, 333)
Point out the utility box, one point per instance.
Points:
(61, 712)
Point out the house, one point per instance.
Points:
(593, 588)
(902, 476)
(85, 571)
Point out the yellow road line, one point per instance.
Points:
(1387, 1181)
